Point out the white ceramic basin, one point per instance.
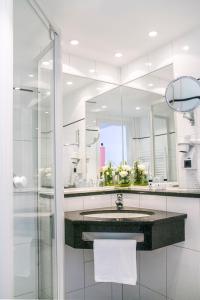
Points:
(116, 214)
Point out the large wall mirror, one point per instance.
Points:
(80, 154)
(108, 124)
(104, 132)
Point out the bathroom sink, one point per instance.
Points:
(116, 214)
(152, 229)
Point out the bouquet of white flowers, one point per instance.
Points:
(124, 175)
(107, 173)
(139, 174)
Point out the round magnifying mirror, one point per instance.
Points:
(183, 94)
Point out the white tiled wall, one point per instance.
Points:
(169, 273)
(81, 67)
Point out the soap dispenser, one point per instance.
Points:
(102, 153)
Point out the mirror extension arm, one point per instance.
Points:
(184, 99)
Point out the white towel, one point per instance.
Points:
(115, 261)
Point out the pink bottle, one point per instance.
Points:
(102, 153)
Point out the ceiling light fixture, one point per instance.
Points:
(150, 84)
(69, 82)
(153, 34)
(104, 106)
(74, 42)
(92, 70)
(46, 112)
(138, 108)
(185, 48)
(17, 88)
(118, 54)
(31, 75)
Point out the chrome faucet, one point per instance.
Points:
(119, 201)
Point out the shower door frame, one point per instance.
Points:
(56, 103)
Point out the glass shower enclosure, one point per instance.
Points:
(35, 265)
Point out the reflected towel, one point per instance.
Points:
(115, 261)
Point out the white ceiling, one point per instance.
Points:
(104, 27)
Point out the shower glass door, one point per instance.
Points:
(33, 153)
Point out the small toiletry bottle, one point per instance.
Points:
(165, 184)
(75, 177)
(150, 184)
(102, 152)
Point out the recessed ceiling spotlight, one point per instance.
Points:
(17, 88)
(92, 70)
(69, 82)
(46, 112)
(31, 75)
(148, 64)
(150, 84)
(185, 48)
(74, 42)
(153, 33)
(138, 108)
(104, 106)
(48, 93)
(45, 63)
(118, 54)
(96, 110)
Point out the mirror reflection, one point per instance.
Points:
(183, 94)
(77, 92)
(149, 132)
(104, 132)
(118, 135)
(137, 118)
